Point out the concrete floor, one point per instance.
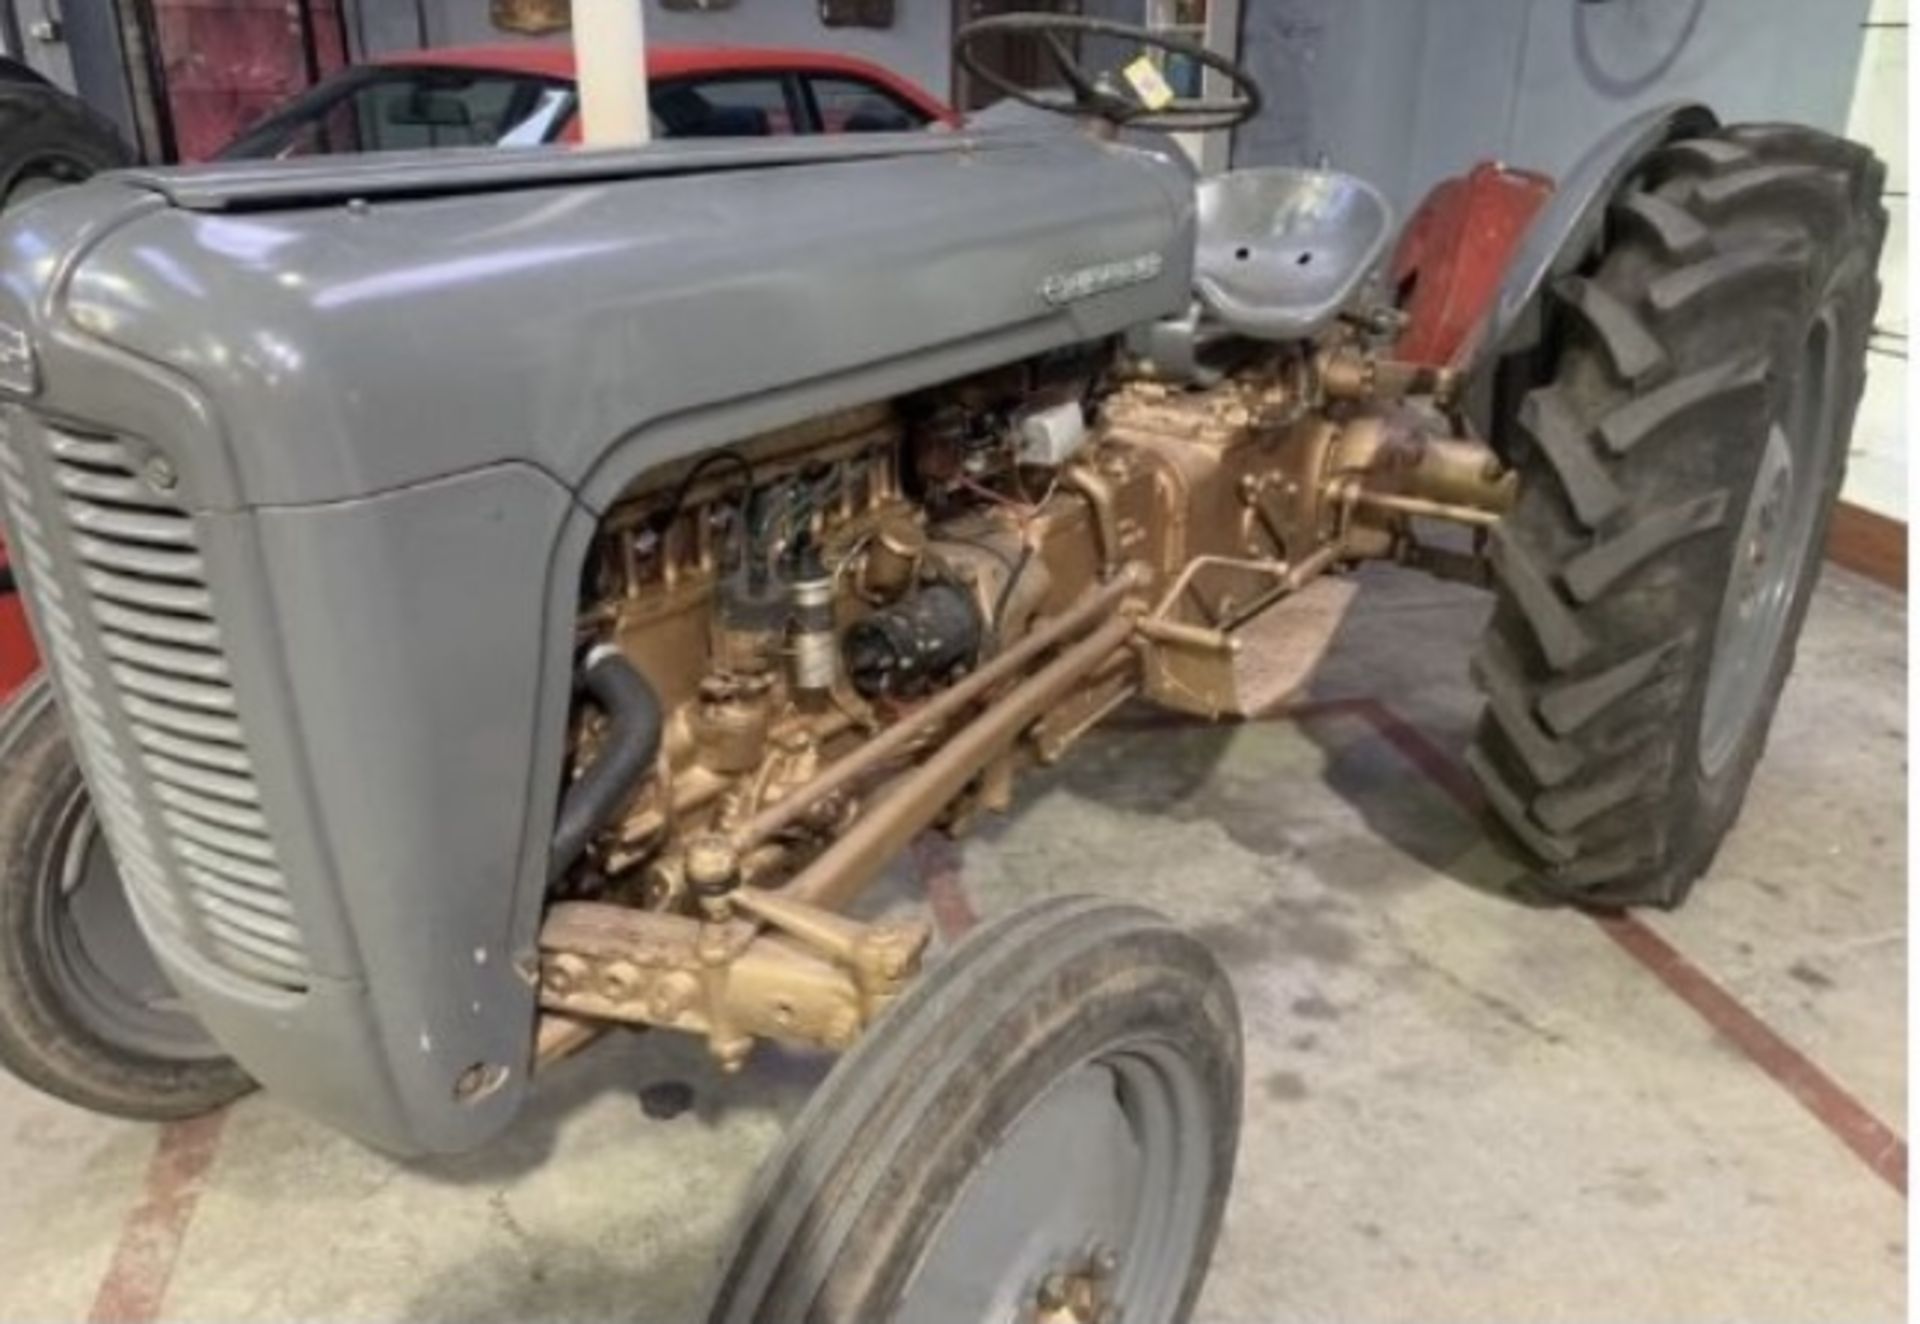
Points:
(1457, 1108)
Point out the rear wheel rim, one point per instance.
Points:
(102, 969)
(1091, 1206)
(1770, 556)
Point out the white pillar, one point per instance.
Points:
(609, 57)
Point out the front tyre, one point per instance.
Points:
(1677, 474)
(85, 1012)
(1042, 1129)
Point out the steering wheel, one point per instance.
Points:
(1122, 102)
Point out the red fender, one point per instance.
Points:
(1454, 252)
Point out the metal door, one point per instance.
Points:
(222, 64)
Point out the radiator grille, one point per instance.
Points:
(198, 850)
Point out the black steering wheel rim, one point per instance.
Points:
(1093, 94)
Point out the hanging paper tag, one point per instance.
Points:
(1148, 83)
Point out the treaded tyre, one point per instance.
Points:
(1677, 474)
(1043, 1128)
(49, 139)
(85, 1013)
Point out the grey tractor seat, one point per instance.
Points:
(1281, 251)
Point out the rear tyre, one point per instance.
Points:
(49, 140)
(85, 1012)
(1042, 1129)
(1677, 475)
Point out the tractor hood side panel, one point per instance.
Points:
(319, 672)
(399, 341)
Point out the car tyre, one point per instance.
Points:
(49, 140)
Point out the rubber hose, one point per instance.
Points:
(632, 742)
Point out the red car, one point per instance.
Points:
(524, 95)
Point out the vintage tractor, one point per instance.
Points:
(493, 597)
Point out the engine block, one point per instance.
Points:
(816, 607)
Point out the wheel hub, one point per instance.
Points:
(1081, 1292)
(1086, 1210)
(108, 977)
(1773, 544)
(1765, 545)
(1772, 519)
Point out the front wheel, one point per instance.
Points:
(1677, 473)
(85, 1012)
(1042, 1129)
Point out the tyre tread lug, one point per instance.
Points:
(1571, 705)
(1636, 353)
(1596, 570)
(1562, 639)
(1724, 385)
(1545, 418)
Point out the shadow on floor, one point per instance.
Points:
(1152, 762)
(664, 1076)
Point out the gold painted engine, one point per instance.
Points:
(864, 625)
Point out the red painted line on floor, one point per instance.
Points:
(936, 859)
(136, 1280)
(1313, 710)
(1876, 1144)
(1418, 748)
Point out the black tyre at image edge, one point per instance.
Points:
(947, 1167)
(1678, 469)
(85, 1014)
(49, 139)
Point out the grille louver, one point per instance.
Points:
(198, 850)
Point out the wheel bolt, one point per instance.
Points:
(1055, 1292)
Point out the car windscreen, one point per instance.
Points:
(389, 108)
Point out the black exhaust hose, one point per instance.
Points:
(632, 742)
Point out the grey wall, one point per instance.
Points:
(1407, 92)
(916, 45)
